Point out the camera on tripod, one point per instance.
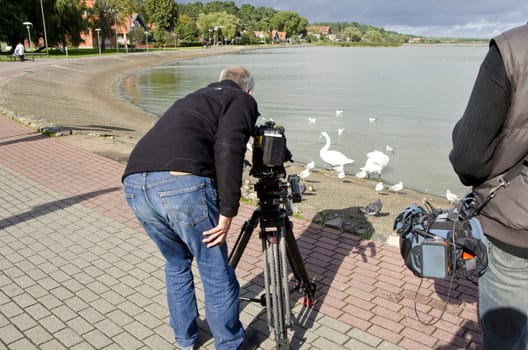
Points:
(279, 244)
(269, 155)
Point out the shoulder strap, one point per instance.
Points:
(505, 180)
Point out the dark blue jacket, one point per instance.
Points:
(205, 133)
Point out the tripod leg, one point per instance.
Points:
(278, 295)
(297, 265)
(284, 283)
(243, 238)
(267, 286)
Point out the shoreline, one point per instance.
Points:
(79, 100)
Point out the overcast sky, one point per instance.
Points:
(440, 18)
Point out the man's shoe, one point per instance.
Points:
(251, 341)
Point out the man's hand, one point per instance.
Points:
(217, 235)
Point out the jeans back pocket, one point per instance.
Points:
(186, 206)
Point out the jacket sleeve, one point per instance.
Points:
(474, 135)
(235, 126)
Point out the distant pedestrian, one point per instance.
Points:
(19, 51)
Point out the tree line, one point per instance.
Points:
(192, 23)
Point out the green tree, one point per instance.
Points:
(247, 16)
(228, 7)
(264, 16)
(186, 28)
(67, 23)
(220, 25)
(289, 22)
(163, 13)
(352, 33)
(11, 17)
(191, 9)
(162, 37)
(372, 36)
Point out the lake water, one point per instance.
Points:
(408, 97)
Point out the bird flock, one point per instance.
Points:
(376, 161)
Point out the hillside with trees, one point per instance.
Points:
(193, 23)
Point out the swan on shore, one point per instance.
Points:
(332, 157)
(375, 163)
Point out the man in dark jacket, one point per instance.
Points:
(491, 138)
(183, 183)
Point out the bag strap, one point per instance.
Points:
(505, 180)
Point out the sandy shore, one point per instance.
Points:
(80, 98)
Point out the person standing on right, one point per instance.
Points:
(489, 139)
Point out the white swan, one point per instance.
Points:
(376, 162)
(334, 158)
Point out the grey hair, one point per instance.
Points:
(240, 75)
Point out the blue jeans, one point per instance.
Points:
(503, 301)
(174, 211)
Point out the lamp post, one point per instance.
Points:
(28, 24)
(44, 25)
(146, 38)
(98, 30)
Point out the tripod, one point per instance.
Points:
(278, 244)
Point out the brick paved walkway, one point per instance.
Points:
(77, 272)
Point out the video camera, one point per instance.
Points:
(269, 155)
(437, 243)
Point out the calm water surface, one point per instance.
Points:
(415, 94)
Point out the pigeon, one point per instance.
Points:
(312, 120)
(389, 149)
(339, 113)
(372, 209)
